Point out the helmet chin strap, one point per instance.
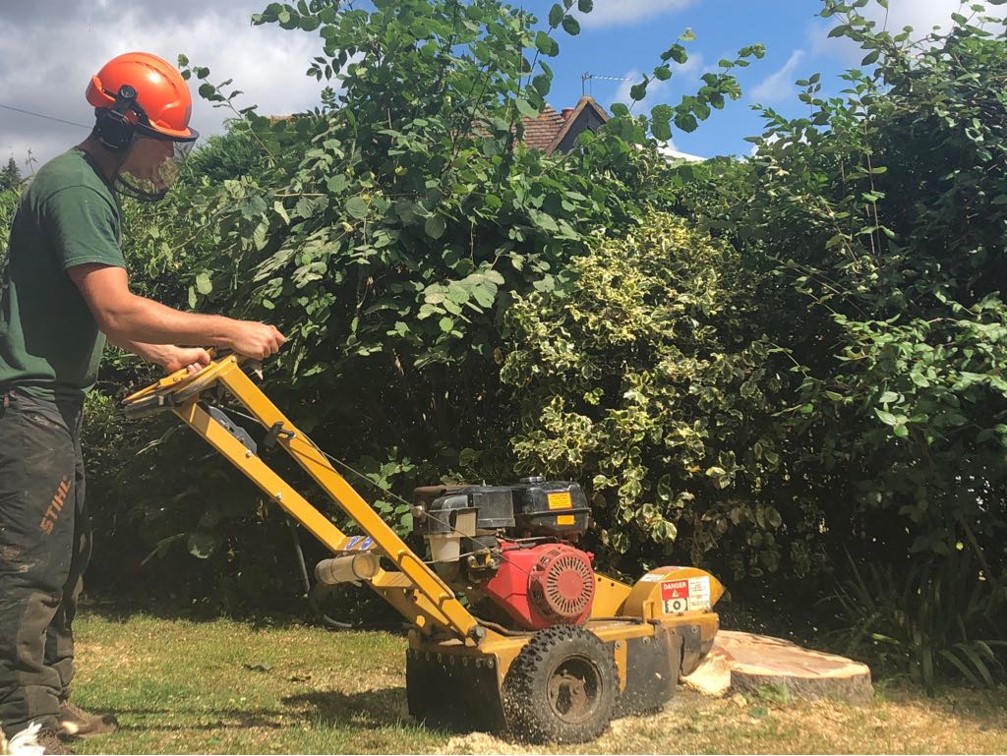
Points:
(128, 185)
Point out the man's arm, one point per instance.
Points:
(130, 319)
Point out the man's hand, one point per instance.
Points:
(173, 358)
(168, 356)
(255, 340)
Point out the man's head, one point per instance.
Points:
(142, 108)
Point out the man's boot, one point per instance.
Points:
(76, 722)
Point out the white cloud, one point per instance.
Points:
(780, 84)
(628, 12)
(266, 63)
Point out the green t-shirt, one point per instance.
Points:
(50, 344)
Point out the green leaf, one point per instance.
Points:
(586, 6)
(886, 417)
(526, 109)
(356, 207)
(546, 44)
(661, 129)
(662, 112)
(447, 324)
(662, 73)
(556, 14)
(686, 122)
(203, 284)
(544, 221)
(484, 296)
(571, 26)
(435, 226)
(542, 84)
(676, 53)
(337, 184)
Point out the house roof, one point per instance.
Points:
(549, 130)
(540, 132)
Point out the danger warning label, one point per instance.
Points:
(685, 595)
(675, 596)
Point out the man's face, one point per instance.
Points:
(150, 166)
(147, 157)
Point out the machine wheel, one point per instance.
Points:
(561, 687)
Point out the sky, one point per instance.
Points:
(51, 48)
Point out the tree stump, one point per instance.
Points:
(748, 663)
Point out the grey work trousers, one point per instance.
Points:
(45, 545)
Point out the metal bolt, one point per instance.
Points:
(278, 496)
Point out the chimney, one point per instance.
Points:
(566, 113)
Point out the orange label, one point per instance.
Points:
(560, 500)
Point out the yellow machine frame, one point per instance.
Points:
(444, 632)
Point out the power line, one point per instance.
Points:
(42, 115)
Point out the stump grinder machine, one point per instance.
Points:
(511, 628)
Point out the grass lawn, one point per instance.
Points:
(221, 686)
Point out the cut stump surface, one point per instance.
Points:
(745, 663)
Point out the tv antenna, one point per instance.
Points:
(586, 78)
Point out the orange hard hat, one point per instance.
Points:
(163, 98)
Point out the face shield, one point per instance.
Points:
(153, 164)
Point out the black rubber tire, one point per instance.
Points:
(561, 688)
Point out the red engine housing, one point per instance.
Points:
(545, 585)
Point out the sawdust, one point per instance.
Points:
(640, 734)
(481, 742)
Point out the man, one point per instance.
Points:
(63, 292)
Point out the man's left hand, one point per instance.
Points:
(175, 358)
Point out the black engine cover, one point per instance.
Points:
(533, 507)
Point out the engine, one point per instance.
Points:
(511, 549)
